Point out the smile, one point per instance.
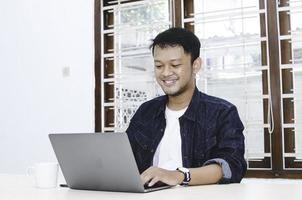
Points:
(169, 82)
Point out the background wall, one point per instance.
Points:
(46, 77)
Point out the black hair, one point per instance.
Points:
(178, 37)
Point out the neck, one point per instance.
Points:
(182, 100)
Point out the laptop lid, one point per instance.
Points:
(97, 161)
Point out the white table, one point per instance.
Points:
(19, 187)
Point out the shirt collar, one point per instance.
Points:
(193, 106)
(162, 106)
(190, 112)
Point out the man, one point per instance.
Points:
(185, 137)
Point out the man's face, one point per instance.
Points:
(173, 70)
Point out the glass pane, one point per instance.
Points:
(232, 62)
(135, 25)
(292, 105)
(298, 110)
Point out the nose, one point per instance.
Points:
(166, 71)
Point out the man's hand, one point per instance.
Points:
(155, 174)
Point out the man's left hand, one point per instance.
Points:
(155, 174)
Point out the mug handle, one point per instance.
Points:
(30, 171)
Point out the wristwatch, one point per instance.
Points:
(186, 173)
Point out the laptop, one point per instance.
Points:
(99, 161)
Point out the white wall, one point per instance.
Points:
(38, 38)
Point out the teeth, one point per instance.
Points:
(169, 82)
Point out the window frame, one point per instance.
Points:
(179, 7)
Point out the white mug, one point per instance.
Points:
(45, 174)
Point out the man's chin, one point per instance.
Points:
(172, 92)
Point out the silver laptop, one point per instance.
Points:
(98, 161)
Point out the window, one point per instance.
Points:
(126, 65)
(290, 51)
(235, 65)
(252, 56)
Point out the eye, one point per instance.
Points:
(158, 66)
(177, 65)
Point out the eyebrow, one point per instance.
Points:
(172, 60)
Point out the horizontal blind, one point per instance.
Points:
(290, 39)
(234, 48)
(128, 81)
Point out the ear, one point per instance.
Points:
(197, 65)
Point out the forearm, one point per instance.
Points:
(209, 174)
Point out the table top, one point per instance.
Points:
(20, 187)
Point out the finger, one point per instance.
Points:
(146, 178)
(144, 173)
(147, 171)
(153, 181)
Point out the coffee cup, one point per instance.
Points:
(45, 174)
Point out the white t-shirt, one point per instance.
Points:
(168, 153)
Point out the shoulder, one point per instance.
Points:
(217, 111)
(153, 103)
(149, 108)
(214, 101)
(214, 108)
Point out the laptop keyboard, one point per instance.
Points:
(156, 185)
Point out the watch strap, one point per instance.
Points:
(187, 176)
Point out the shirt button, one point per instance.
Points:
(161, 130)
(152, 150)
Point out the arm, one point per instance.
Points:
(229, 148)
(208, 174)
(230, 145)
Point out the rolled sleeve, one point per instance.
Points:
(231, 145)
(226, 170)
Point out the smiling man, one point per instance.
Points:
(185, 137)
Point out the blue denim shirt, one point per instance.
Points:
(211, 131)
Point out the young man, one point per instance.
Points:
(185, 137)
